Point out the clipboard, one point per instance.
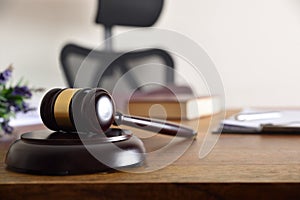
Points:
(272, 121)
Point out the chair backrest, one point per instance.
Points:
(95, 64)
(141, 13)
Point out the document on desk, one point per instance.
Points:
(262, 121)
(31, 117)
(26, 119)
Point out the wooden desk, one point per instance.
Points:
(240, 166)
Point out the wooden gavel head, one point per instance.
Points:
(82, 110)
(93, 110)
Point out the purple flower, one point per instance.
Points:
(15, 107)
(4, 76)
(12, 99)
(6, 128)
(26, 107)
(22, 91)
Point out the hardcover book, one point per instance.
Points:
(179, 103)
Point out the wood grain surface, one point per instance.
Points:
(244, 166)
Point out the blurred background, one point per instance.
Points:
(254, 44)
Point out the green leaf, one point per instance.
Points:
(2, 98)
(20, 81)
(3, 110)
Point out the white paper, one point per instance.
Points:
(31, 117)
(25, 119)
(288, 118)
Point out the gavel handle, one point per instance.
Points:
(157, 126)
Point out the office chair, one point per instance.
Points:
(138, 13)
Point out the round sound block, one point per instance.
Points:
(61, 153)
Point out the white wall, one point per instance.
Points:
(255, 44)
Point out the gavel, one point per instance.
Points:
(93, 110)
